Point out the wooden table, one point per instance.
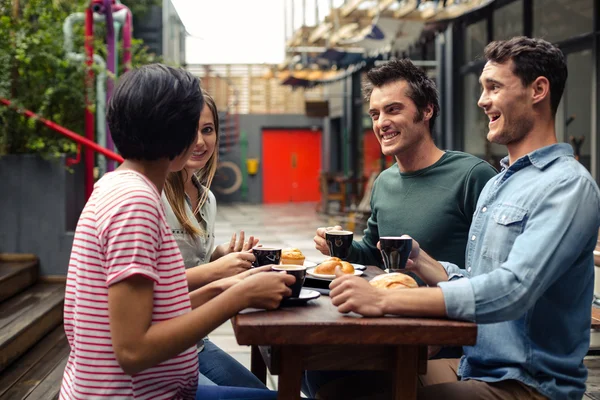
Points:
(317, 337)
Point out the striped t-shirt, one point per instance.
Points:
(122, 232)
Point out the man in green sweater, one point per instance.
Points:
(429, 194)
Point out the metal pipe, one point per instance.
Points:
(100, 80)
(89, 117)
(127, 32)
(110, 63)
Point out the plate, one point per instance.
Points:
(311, 272)
(309, 264)
(359, 266)
(305, 296)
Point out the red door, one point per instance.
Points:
(291, 165)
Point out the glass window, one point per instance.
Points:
(508, 21)
(557, 20)
(578, 103)
(476, 124)
(475, 40)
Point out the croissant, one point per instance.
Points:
(394, 280)
(327, 267)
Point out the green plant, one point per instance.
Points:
(34, 74)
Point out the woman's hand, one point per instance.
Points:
(235, 245)
(265, 290)
(234, 263)
(230, 281)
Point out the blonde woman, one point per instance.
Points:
(191, 209)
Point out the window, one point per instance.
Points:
(476, 122)
(557, 20)
(475, 40)
(508, 21)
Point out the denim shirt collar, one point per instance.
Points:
(539, 158)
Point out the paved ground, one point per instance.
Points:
(294, 225)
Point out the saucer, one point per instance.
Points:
(359, 266)
(311, 272)
(305, 296)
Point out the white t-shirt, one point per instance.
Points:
(122, 232)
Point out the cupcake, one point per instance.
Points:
(292, 256)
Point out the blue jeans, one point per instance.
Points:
(230, 393)
(223, 370)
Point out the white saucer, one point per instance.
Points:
(311, 272)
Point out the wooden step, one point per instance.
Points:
(27, 317)
(37, 374)
(15, 276)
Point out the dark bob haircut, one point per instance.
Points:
(154, 112)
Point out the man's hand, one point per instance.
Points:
(265, 290)
(320, 242)
(351, 293)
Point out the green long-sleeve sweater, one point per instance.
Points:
(434, 205)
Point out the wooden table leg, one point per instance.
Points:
(257, 364)
(406, 372)
(290, 378)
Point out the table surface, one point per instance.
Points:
(319, 323)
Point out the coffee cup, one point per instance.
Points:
(266, 256)
(299, 271)
(339, 243)
(395, 251)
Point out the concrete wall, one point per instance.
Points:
(252, 125)
(33, 209)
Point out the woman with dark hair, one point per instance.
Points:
(191, 209)
(130, 319)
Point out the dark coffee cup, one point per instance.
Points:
(266, 256)
(339, 243)
(299, 271)
(395, 252)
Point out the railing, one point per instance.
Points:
(89, 173)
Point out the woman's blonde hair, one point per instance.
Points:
(174, 186)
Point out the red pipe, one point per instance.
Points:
(89, 116)
(91, 145)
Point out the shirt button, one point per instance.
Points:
(473, 237)
(484, 209)
(469, 269)
(503, 217)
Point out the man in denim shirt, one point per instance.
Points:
(529, 272)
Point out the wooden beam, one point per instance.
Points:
(410, 6)
(321, 30)
(349, 7)
(381, 7)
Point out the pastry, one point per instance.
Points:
(292, 256)
(394, 280)
(327, 267)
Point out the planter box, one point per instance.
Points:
(40, 202)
